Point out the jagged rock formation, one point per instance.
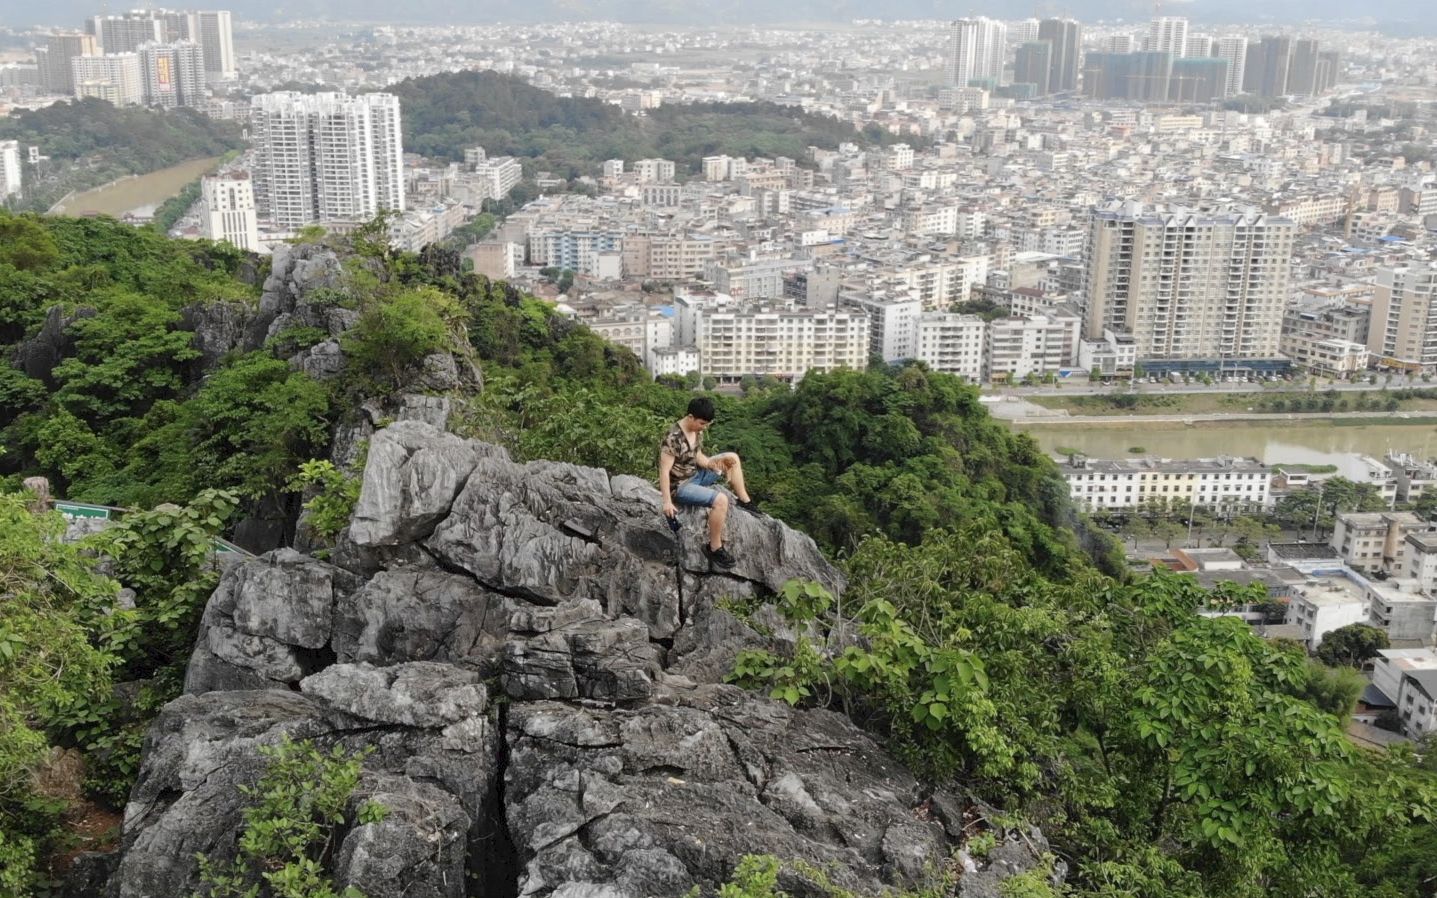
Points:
(616, 762)
(303, 290)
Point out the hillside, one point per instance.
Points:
(477, 661)
(570, 136)
(90, 142)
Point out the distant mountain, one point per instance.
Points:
(730, 12)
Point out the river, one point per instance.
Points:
(1290, 442)
(139, 194)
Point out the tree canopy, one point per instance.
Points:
(572, 136)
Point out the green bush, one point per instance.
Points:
(289, 826)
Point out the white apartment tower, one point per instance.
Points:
(116, 77)
(1188, 284)
(326, 157)
(174, 74)
(1403, 329)
(229, 210)
(1167, 34)
(1234, 50)
(125, 33)
(1022, 31)
(952, 343)
(10, 172)
(976, 51)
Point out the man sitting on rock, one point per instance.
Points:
(682, 462)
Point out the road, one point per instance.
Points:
(1301, 388)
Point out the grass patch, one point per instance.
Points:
(1307, 469)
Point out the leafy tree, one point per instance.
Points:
(1351, 645)
(25, 244)
(47, 666)
(1185, 754)
(397, 331)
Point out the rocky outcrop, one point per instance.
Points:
(545, 716)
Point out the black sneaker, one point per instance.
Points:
(720, 557)
(751, 507)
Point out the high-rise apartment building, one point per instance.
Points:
(1022, 31)
(1031, 64)
(1402, 332)
(976, 51)
(1119, 43)
(52, 61)
(124, 33)
(174, 74)
(1167, 34)
(229, 210)
(115, 77)
(1066, 36)
(213, 30)
(1144, 77)
(10, 171)
(1269, 62)
(1198, 45)
(1187, 284)
(1233, 50)
(1198, 79)
(1302, 76)
(326, 157)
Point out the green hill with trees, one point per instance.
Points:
(572, 136)
(90, 142)
(985, 635)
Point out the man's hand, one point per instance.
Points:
(669, 509)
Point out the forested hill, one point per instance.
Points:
(982, 637)
(90, 142)
(572, 136)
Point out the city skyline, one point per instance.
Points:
(1411, 14)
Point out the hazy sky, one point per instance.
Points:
(735, 12)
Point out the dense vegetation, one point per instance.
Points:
(90, 142)
(572, 136)
(986, 633)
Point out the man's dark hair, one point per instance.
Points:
(702, 407)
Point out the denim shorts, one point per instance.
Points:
(695, 490)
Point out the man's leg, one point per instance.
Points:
(733, 473)
(718, 513)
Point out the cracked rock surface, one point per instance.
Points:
(544, 715)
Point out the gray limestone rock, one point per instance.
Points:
(422, 615)
(661, 797)
(412, 476)
(219, 328)
(269, 622)
(416, 694)
(612, 765)
(573, 651)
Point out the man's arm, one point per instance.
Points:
(666, 465)
(703, 461)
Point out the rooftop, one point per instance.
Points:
(1220, 464)
(1303, 551)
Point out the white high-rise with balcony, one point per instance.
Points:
(976, 51)
(326, 157)
(229, 210)
(1187, 284)
(10, 172)
(1234, 50)
(1167, 34)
